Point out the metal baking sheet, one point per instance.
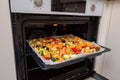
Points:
(63, 64)
(50, 62)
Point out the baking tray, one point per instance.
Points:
(45, 64)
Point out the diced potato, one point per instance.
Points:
(66, 56)
(73, 55)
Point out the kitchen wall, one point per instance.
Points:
(111, 64)
(7, 64)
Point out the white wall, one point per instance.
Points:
(111, 64)
(7, 64)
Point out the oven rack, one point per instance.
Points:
(75, 74)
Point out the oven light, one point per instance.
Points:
(55, 25)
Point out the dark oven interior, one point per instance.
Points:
(27, 26)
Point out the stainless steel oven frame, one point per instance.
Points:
(23, 59)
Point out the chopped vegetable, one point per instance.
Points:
(66, 57)
(41, 53)
(54, 59)
(62, 48)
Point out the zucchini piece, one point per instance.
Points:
(41, 53)
(54, 59)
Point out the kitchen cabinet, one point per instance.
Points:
(111, 64)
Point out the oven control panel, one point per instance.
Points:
(60, 7)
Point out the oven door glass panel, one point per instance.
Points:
(69, 5)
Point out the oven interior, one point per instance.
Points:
(27, 26)
(53, 28)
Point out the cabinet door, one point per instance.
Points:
(111, 65)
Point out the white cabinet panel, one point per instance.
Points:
(7, 63)
(111, 65)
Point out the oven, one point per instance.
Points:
(28, 26)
